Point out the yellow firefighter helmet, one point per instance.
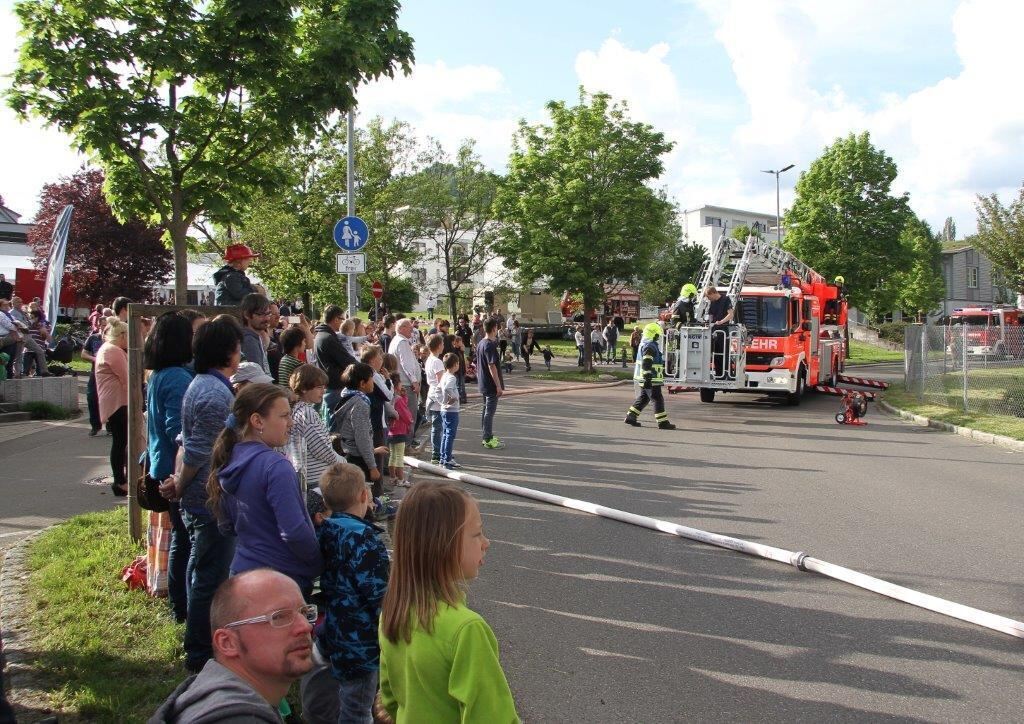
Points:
(652, 331)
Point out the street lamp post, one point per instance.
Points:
(778, 209)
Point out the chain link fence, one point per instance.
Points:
(976, 369)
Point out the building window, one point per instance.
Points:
(972, 277)
(420, 247)
(712, 221)
(419, 277)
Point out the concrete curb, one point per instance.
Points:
(19, 678)
(969, 432)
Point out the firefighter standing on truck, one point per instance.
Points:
(682, 311)
(649, 375)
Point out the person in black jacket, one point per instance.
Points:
(331, 355)
(232, 283)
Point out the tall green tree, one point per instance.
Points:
(1000, 236)
(846, 221)
(292, 227)
(184, 103)
(669, 271)
(949, 230)
(576, 206)
(921, 288)
(454, 201)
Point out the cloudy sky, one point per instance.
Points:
(740, 85)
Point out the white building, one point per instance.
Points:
(427, 273)
(15, 253)
(703, 225)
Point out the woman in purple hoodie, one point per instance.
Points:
(254, 489)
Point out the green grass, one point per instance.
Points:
(571, 376)
(80, 365)
(45, 410)
(947, 405)
(862, 353)
(109, 654)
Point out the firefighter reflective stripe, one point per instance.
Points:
(649, 364)
(660, 416)
(633, 410)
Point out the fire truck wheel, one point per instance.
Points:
(707, 395)
(840, 418)
(793, 398)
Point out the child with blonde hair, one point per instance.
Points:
(438, 659)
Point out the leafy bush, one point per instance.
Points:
(45, 411)
(399, 294)
(892, 331)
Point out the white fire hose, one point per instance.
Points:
(798, 559)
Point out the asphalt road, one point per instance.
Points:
(602, 621)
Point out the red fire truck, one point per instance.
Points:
(788, 331)
(991, 331)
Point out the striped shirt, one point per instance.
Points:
(309, 447)
(285, 368)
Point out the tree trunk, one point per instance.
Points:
(451, 304)
(179, 240)
(307, 306)
(588, 347)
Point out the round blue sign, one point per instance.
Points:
(351, 233)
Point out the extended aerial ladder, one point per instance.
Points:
(715, 358)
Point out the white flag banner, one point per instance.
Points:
(55, 268)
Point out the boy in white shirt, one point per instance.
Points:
(448, 394)
(434, 368)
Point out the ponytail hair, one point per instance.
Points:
(255, 398)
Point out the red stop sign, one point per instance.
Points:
(378, 290)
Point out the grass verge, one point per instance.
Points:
(45, 410)
(1007, 425)
(862, 353)
(106, 653)
(80, 365)
(572, 376)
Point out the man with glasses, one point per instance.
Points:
(256, 314)
(262, 644)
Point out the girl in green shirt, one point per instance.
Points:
(438, 659)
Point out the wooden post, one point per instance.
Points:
(136, 402)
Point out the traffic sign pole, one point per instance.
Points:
(350, 197)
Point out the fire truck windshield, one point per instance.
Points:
(765, 316)
(975, 319)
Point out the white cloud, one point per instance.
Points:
(959, 136)
(450, 104)
(32, 156)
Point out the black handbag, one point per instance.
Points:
(147, 491)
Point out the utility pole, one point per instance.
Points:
(778, 208)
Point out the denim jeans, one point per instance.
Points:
(436, 429)
(208, 567)
(356, 695)
(487, 416)
(93, 398)
(177, 564)
(450, 426)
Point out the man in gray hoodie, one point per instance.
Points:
(262, 644)
(255, 310)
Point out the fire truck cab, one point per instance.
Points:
(788, 329)
(991, 331)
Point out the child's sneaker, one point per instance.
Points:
(493, 444)
(452, 465)
(384, 509)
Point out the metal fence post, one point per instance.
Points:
(963, 344)
(924, 358)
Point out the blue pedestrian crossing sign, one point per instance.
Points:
(351, 233)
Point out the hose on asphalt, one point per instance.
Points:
(800, 560)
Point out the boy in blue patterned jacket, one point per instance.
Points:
(354, 581)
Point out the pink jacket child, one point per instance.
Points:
(401, 425)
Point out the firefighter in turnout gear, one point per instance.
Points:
(649, 374)
(682, 311)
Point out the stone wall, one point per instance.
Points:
(60, 391)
